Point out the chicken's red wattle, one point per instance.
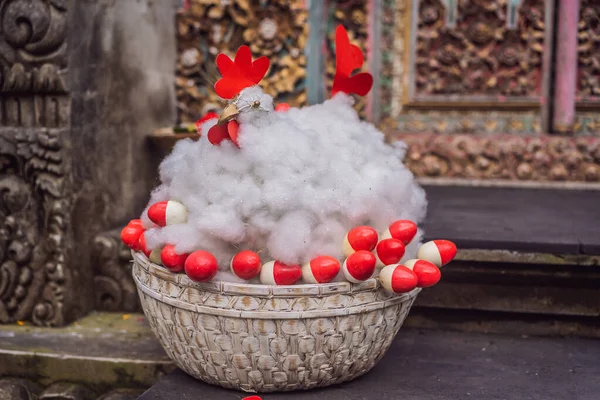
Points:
(228, 131)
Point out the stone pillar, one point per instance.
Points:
(82, 83)
(566, 66)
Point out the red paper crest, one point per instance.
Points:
(239, 73)
(348, 58)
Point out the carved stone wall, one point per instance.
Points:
(277, 29)
(509, 157)
(76, 104)
(35, 164)
(479, 69)
(33, 46)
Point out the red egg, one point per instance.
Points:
(142, 245)
(397, 278)
(389, 251)
(136, 223)
(439, 252)
(402, 230)
(201, 266)
(130, 235)
(245, 264)
(320, 269)
(155, 256)
(166, 213)
(278, 273)
(427, 273)
(359, 266)
(360, 238)
(172, 260)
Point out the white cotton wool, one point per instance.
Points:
(299, 181)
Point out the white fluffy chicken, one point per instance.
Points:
(288, 185)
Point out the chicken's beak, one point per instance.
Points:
(229, 113)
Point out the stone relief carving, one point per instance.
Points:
(34, 226)
(208, 27)
(113, 282)
(35, 192)
(32, 46)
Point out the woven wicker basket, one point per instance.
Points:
(260, 338)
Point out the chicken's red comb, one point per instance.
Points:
(239, 73)
(348, 57)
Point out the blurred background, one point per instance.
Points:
(497, 101)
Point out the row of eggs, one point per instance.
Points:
(365, 252)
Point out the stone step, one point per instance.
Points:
(99, 353)
(528, 262)
(431, 365)
(527, 251)
(530, 220)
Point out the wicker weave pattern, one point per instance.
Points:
(262, 339)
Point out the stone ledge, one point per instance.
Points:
(101, 352)
(23, 389)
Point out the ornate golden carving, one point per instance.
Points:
(392, 64)
(277, 29)
(539, 158)
(450, 122)
(588, 82)
(480, 55)
(587, 123)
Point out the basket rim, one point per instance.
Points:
(252, 289)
